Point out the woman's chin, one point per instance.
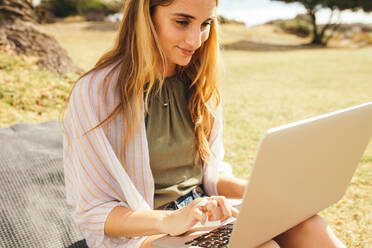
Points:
(184, 62)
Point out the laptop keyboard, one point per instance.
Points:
(216, 238)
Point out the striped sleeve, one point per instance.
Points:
(92, 188)
(215, 164)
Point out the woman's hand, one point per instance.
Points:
(181, 220)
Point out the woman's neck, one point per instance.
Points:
(170, 71)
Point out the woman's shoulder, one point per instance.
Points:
(95, 92)
(98, 78)
(96, 84)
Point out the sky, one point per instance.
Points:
(254, 12)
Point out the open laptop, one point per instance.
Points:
(300, 169)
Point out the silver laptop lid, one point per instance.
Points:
(301, 169)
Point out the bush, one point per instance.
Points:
(363, 37)
(64, 8)
(297, 27)
(300, 25)
(225, 20)
(115, 5)
(61, 8)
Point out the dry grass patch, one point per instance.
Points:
(85, 42)
(264, 33)
(30, 94)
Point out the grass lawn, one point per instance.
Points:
(260, 90)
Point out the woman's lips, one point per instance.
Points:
(186, 52)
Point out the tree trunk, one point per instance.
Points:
(317, 38)
(19, 34)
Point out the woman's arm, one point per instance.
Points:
(230, 187)
(123, 222)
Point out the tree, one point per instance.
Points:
(19, 34)
(313, 6)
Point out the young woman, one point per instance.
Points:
(143, 133)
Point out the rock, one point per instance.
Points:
(17, 10)
(24, 38)
(19, 34)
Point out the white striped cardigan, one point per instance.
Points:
(99, 176)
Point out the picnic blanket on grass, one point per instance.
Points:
(33, 208)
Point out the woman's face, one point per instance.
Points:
(182, 27)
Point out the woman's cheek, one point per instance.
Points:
(174, 35)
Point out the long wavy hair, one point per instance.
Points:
(137, 55)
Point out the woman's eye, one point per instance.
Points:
(183, 23)
(206, 24)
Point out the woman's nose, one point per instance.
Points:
(194, 38)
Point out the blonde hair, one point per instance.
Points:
(137, 55)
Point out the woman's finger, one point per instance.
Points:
(225, 208)
(213, 210)
(199, 215)
(209, 207)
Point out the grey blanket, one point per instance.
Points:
(33, 209)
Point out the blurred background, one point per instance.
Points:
(285, 60)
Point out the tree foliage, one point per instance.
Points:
(365, 5)
(312, 6)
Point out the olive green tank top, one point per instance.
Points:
(171, 143)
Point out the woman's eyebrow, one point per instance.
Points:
(190, 16)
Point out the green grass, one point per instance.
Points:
(260, 90)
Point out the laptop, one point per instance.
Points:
(300, 169)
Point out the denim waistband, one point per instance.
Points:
(185, 200)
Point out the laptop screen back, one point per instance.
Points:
(301, 169)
